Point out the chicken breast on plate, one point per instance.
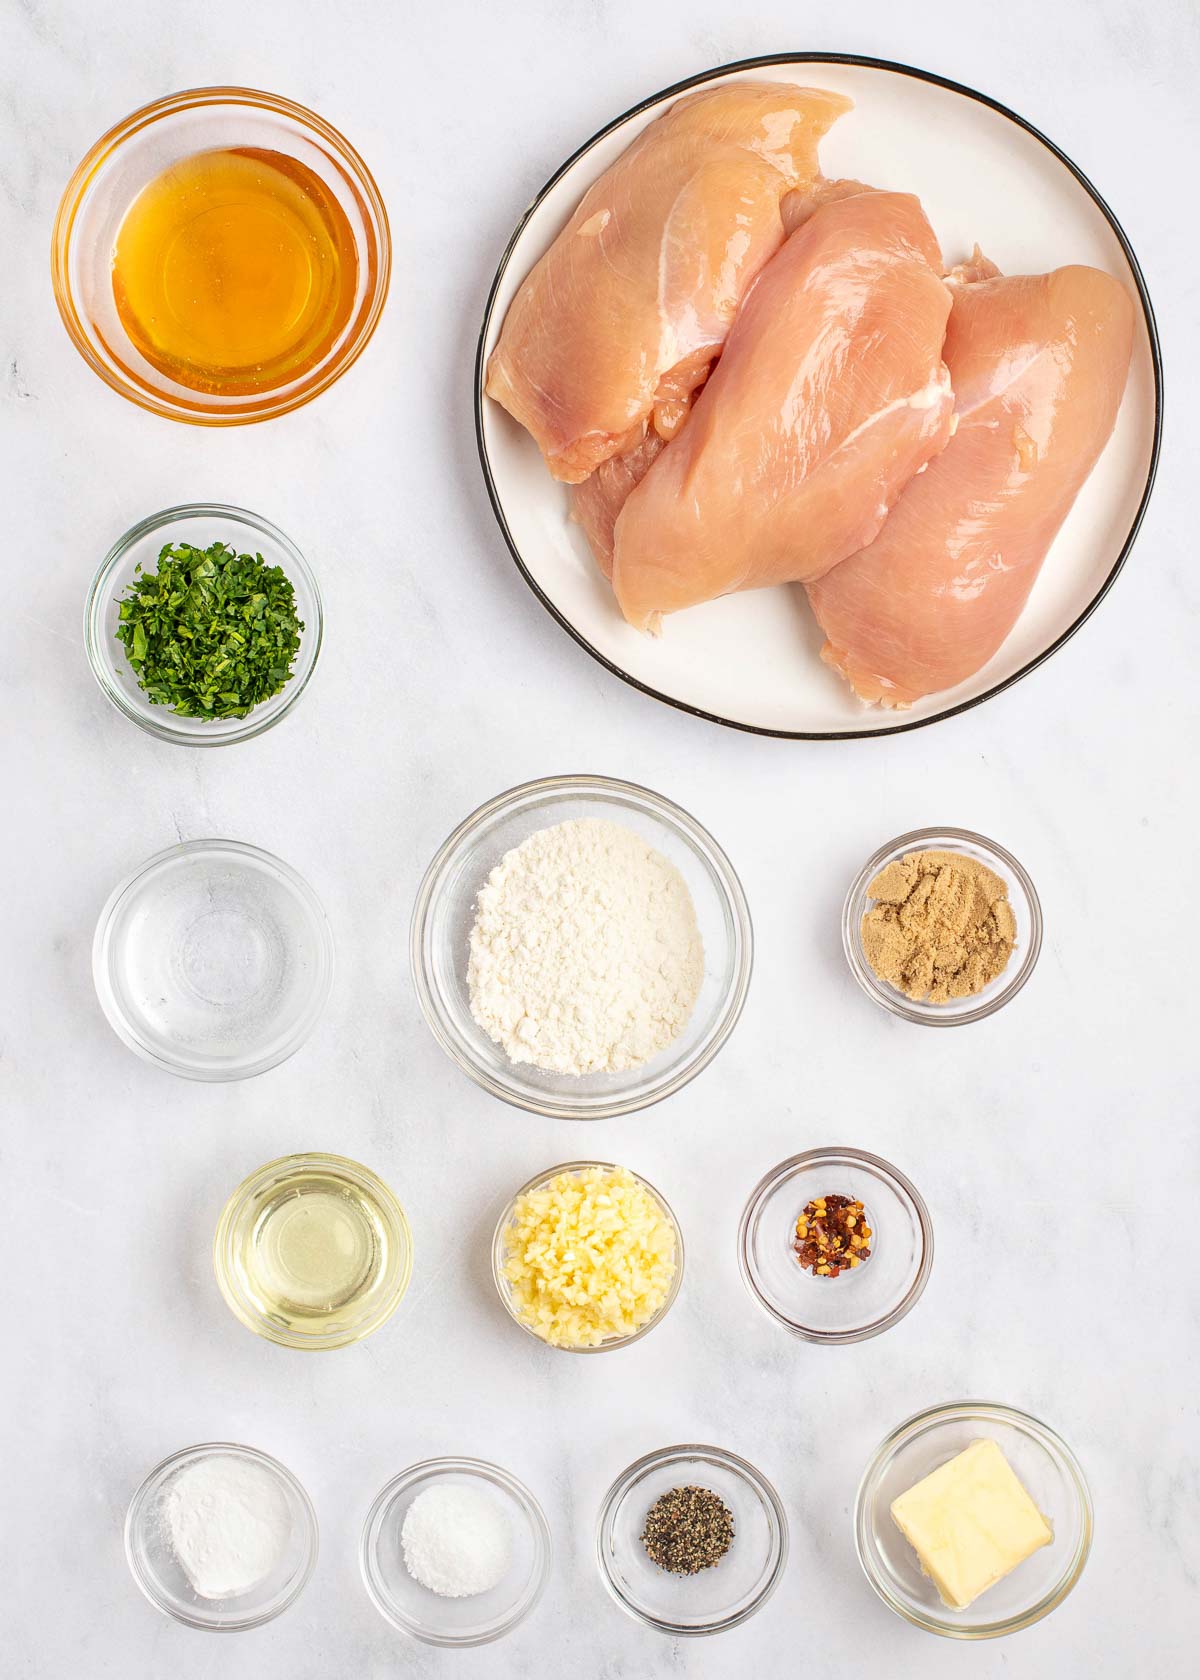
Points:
(829, 396)
(1039, 364)
(619, 321)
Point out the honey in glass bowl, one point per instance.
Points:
(234, 270)
(221, 256)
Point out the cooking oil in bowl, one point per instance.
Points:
(235, 270)
(313, 1251)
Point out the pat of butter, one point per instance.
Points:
(970, 1522)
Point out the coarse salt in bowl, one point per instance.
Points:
(445, 913)
(476, 1619)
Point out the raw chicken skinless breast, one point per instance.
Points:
(618, 323)
(1038, 364)
(597, 502)
(829, 396)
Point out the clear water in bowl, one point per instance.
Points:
(214, 960)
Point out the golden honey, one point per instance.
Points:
(235, 271)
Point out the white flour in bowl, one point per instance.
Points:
(585, 953)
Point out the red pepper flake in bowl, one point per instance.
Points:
(832, 1236)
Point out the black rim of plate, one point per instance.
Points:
(759, 63)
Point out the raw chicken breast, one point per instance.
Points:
(829, 395)
(800, 204)
(1039, 365)
(597, 502)
(620, 320)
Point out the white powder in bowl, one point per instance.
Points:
(585, 953)
(456, 1541)
(228, 1522)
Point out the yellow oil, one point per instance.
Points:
(318, 1255)
(235, 271)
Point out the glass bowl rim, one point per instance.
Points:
(887, 997)
(146, 1583)
(95, 607)
(346, 1167)
(674, 817)
(101, 943)
(497, 1255)
(746, 1472)
(1027, 1424)
(898, 1180)
(456, 1465)
(101, 152)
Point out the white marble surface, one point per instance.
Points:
(1033, 1136)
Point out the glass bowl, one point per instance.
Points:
(213, 959)
(413, 1608)
(202, 524)
(132, 154)
(504, 1288)
(273, 1193)
(860, 1303)
(160, 1575)
(713, 1599)
(1053, 1479)
(1021, 895)
(445, 913)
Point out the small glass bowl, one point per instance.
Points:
(160, 1575)
(202, 524)
(132, 154)
(425, 1615)
(253, 1202)
(1047, 1468)
(713, 1599)
(504, 1288)
(862, 1302)
(1022, 895)
(445, 913)
(213, 959)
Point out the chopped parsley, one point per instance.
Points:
(211, 633)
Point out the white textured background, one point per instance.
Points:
(1049, 1142)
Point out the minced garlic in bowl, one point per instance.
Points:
(587, 1256)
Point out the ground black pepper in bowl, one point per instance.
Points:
(688, 1529)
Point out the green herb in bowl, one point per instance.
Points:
(211, 633)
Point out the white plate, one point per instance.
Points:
(751, 660)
